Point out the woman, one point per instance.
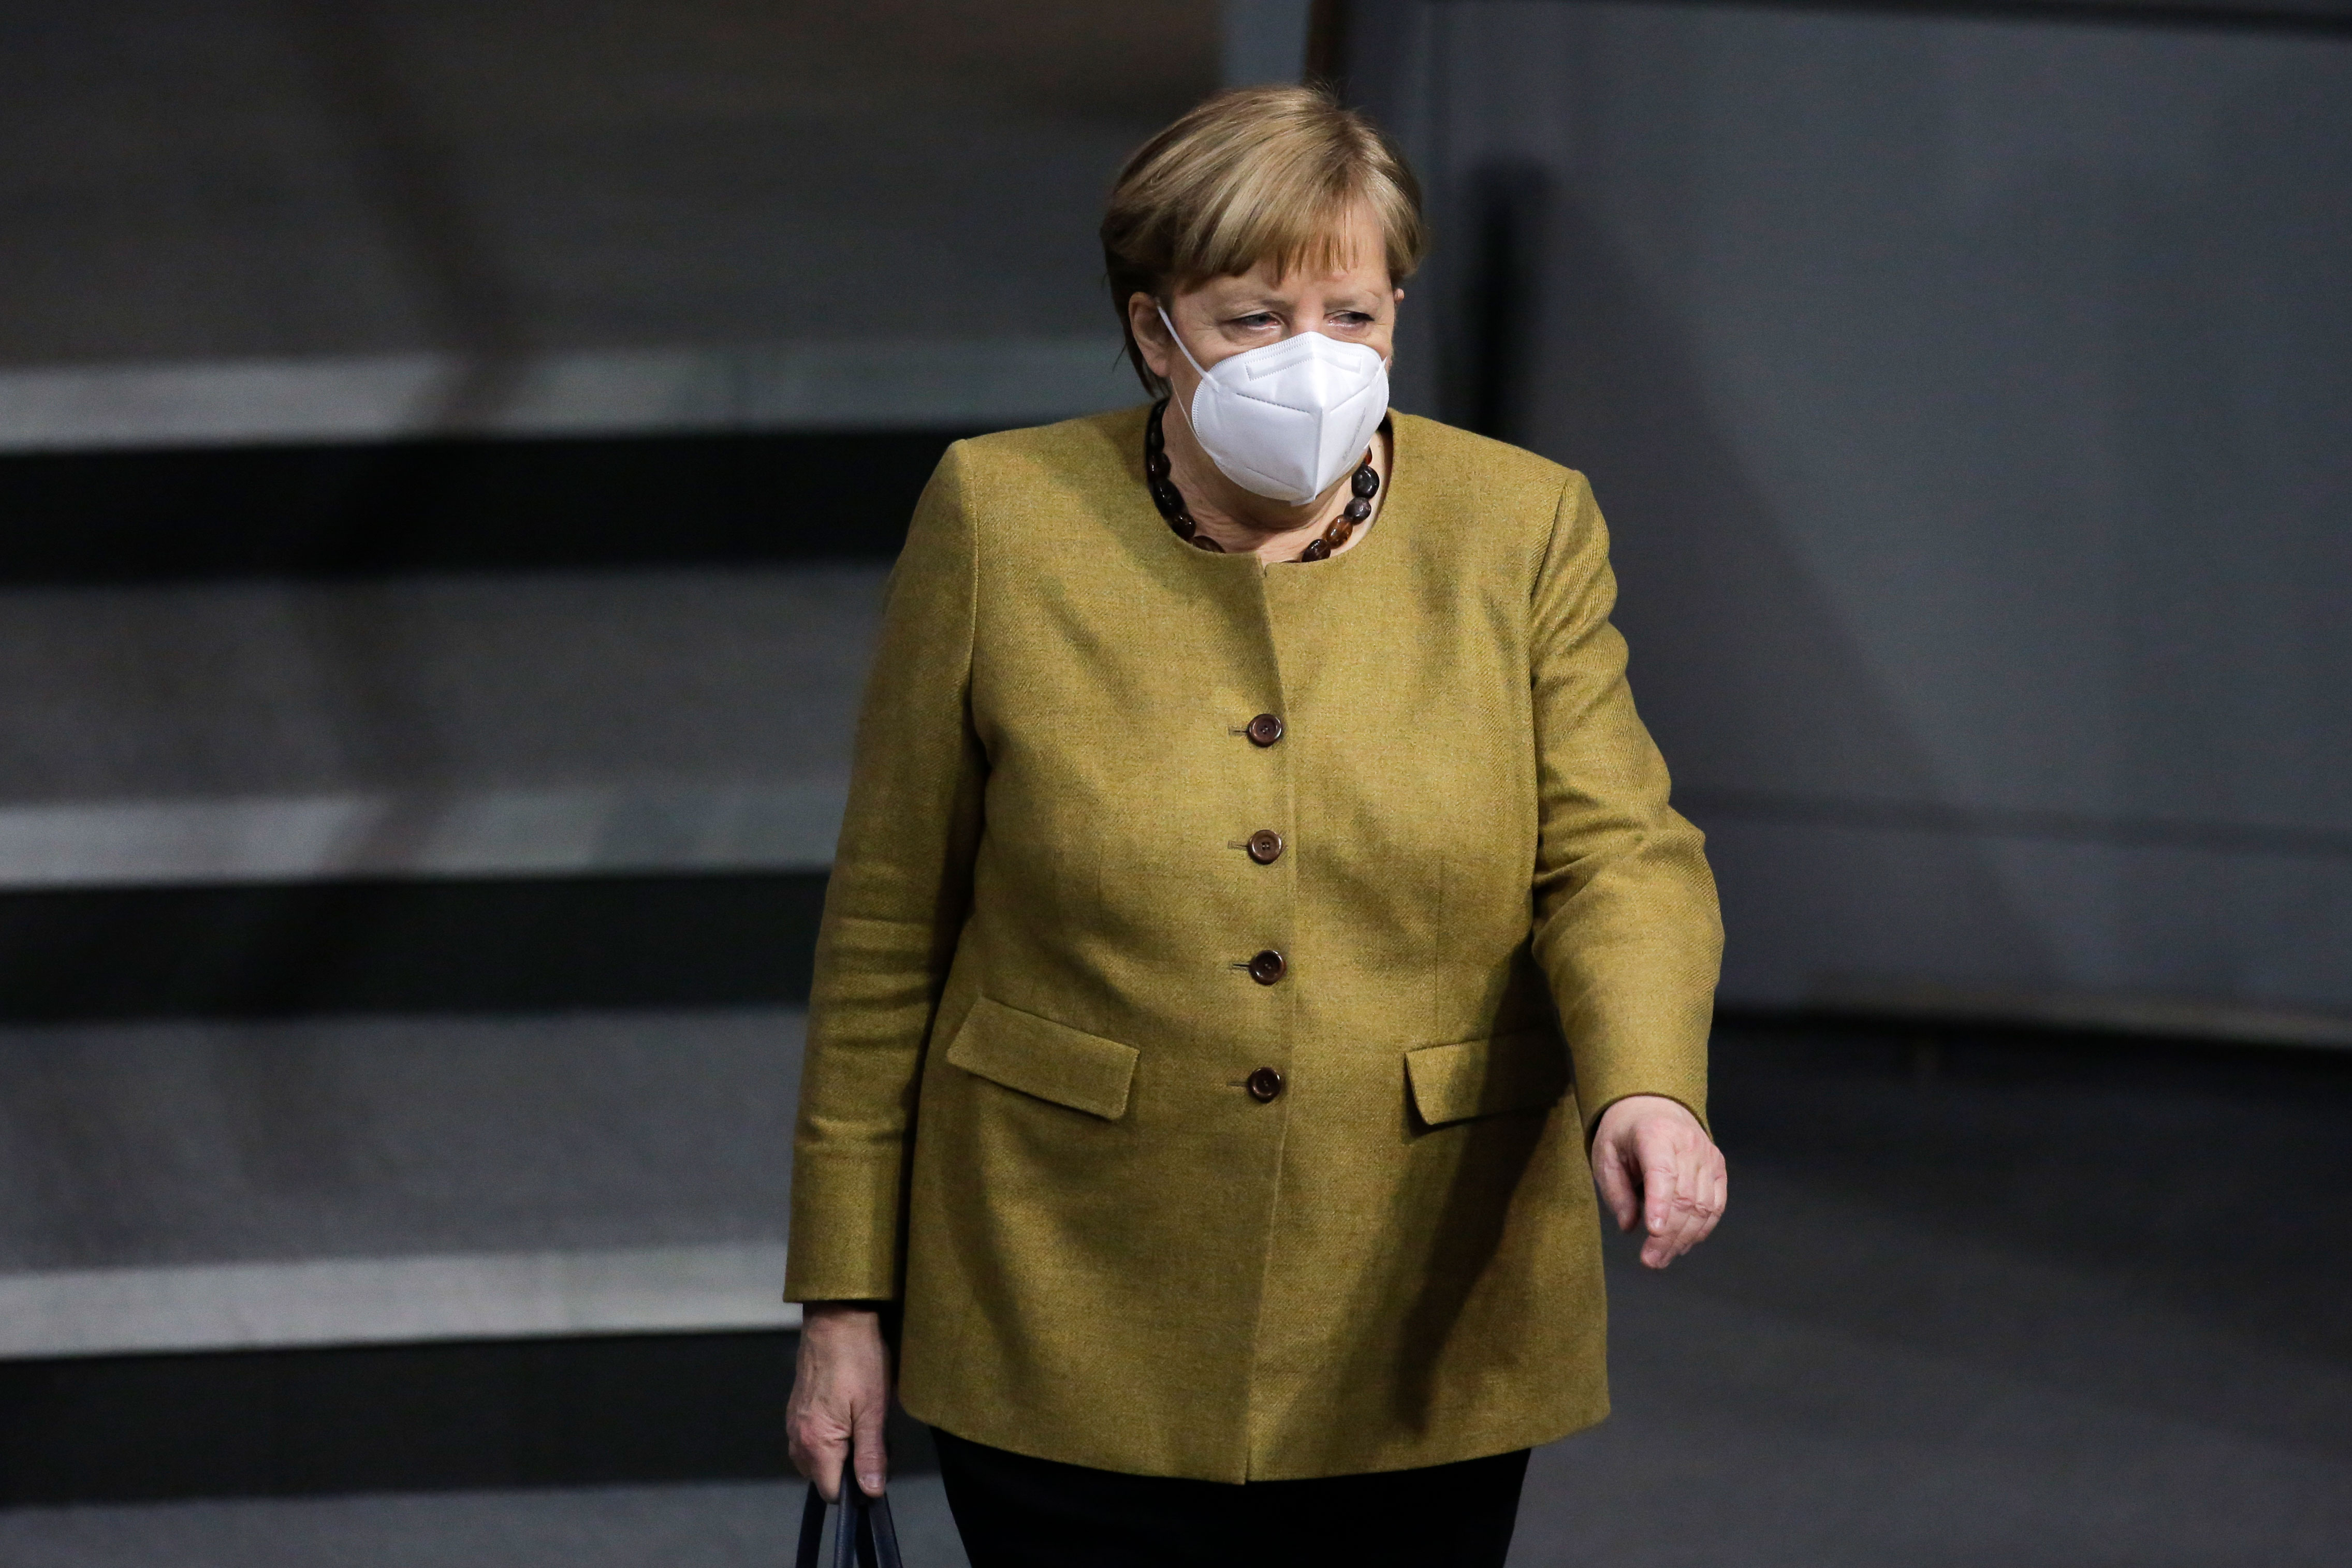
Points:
(1247, 802)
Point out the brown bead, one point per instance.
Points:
(1357, 511)
(1264, 729)
(1263, 1084)
(1365, 483)
(1264, 846)
(1202, 541)
(1267, 967)
(1319, 551)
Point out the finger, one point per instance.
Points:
(1682, 1234)
(1666, 1174)
(1694, 1221)
(1678, 1219)
(1670, 1240)
(817, 1455)
(1706, 1185)
(1691, 1217)
(873, 1456)
(1616, 1188)
(811, 1441)
(1657, 1194)
(1718, 1188)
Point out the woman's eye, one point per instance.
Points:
(1261, 320)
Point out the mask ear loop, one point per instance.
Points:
(1178, 338)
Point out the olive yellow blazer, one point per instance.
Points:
(1191, 1151)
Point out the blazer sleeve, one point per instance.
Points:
(901, 885)
(1626, 925)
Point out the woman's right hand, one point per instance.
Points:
(841, 1391)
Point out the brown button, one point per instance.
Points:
(1264, 729)
(1267, 968)
(1265, 846)
(1264, 1084)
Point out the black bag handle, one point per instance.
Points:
(866, 1538)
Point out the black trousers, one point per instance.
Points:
(1015, 1512)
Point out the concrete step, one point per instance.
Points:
(740, 1524)
(457, 725)
(855, 384)
(181, 1186)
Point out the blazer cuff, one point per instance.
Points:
(848, 1236)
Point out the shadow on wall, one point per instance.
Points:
(1492, 371)
(1557, 335)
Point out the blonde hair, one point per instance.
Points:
(1260, 173)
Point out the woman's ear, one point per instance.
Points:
(1151, 334)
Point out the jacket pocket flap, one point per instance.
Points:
(1040, 1057)
(1522, 1071)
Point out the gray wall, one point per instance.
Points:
(1972, 403)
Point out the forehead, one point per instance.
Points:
(1348, 257)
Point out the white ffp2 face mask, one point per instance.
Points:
(1286, 420)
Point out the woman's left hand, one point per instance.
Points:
(1654, 1163)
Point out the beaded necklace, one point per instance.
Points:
(1364, 484)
